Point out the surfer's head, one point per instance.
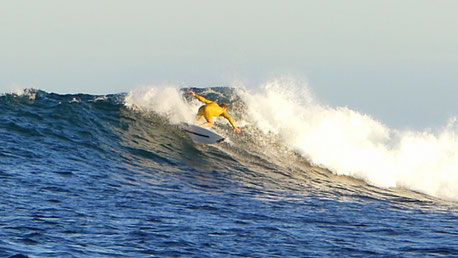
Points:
(223, 106)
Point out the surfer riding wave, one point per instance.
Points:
(212, 109)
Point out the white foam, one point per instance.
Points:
(351, 143)
(22, 92)
(165, 100)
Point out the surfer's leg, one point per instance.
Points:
(209, 119)
(200, 113)
(207, 124)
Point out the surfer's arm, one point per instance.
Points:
(200, 98)
(229, 118)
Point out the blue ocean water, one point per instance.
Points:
(89, 176)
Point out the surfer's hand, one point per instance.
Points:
(192, 93)
(237, 130)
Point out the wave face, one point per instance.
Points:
(281, 120)
(341, 140)
(120, 164)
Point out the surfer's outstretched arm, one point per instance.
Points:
(200, 98)
(229, 118)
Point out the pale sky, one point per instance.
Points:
(395, 60)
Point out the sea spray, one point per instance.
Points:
(351, 143)
(166, 100)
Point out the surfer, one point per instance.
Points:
(211, 109)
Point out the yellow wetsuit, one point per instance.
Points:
(211, 109)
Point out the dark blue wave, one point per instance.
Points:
(83, 175)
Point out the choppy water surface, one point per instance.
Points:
(86, 175)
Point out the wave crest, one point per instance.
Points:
(348, 142)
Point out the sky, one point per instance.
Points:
(395, 60)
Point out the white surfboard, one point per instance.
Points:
(200, 134)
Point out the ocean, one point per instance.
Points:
(115, 176)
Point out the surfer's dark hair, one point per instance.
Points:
(223, 105)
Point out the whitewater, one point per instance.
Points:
(114, 175)
(342, 140)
